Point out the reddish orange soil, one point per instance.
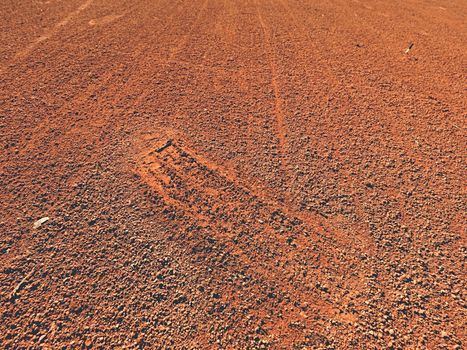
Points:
(233, 174)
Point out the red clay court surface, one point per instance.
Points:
(233, 174)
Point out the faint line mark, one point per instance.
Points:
(46, 35)
(279, 103)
